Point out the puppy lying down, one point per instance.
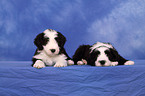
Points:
(99, 54)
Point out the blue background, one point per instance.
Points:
(120, 22)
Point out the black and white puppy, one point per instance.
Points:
(50, 50)
(99, 54)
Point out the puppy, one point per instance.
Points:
(50, 50)
(99, 54)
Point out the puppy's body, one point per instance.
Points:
(50, 50)
(99, 54)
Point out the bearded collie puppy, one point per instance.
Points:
(50, 50)
(99, 54)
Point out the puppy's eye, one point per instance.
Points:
(98, 52)
(107, 52)
(46, 40)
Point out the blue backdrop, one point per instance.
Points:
(121, 22)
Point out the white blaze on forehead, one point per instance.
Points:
(52, 43)
(102, 56)
(50, 34)
(102, 50)
(99, 44)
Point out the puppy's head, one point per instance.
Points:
(103, 54)
(50, 41)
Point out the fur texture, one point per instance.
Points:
(50, 50)
(99, 54)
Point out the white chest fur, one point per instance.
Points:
(57, 60)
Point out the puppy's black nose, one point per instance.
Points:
(102, 62)
(52, 50)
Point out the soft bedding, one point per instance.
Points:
(18, 78)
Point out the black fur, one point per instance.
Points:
(115, 56)
(60, 39)
(92, 57)
(34, 59)
(81, 53)
(40, 40)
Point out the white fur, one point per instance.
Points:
(57, 60)
(129, 63)
(104, 57)
(50, 58)
(84, 61)
(114, 63)
(70, 62)
(80, 63)
(60, 61)
(52, 44)
(102, 47)
(98, 44)
(39, 64)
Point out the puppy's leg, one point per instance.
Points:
(114, 63)
(129, 63)
(60, 64)
(38, 64)
(80, 63)
(84, 61)
(123, 61)
(119, 58)
(60, 61)
(81, 54)
(70, 62)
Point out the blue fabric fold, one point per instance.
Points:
(20, 79)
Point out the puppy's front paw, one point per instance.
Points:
(129, 63)
(60, 65)
(84, 61)
(39, 64)
(114, 63)
(70, 62)
(80, 63)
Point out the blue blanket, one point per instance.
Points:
(20, 79)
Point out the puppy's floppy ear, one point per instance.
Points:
(114, 53)
(39, 41)
(60, 39)
(93, 56)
